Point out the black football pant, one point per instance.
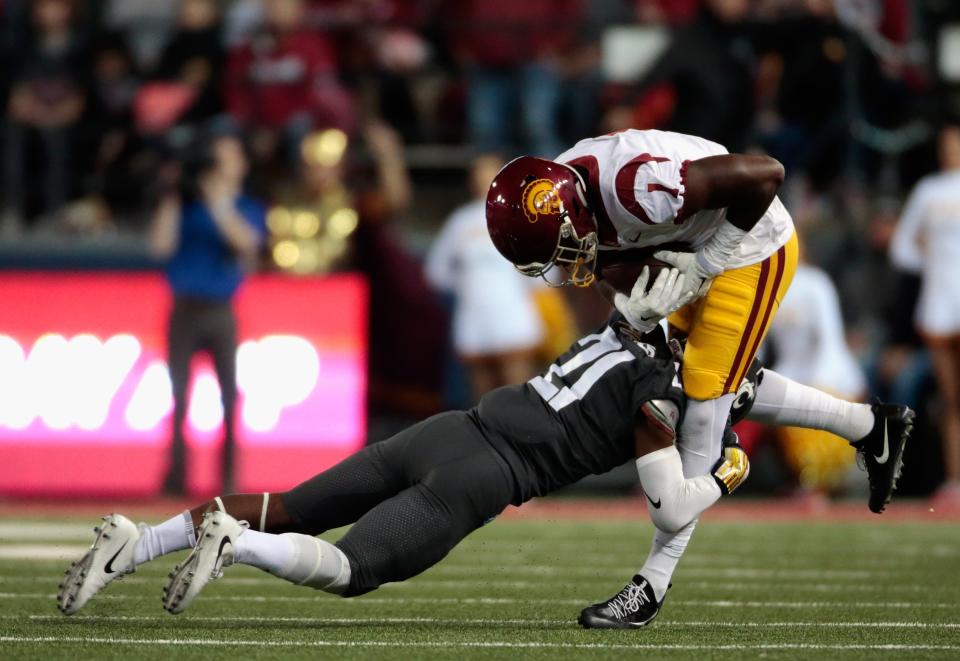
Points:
(197, 325)
(412, 498)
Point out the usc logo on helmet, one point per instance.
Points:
(540, 197)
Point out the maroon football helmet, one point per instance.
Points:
(538, 218)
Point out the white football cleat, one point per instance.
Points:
(216, 540)
(109, 558)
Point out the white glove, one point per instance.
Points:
(696, 276)
(644, 309)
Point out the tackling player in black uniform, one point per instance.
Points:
(614, 395)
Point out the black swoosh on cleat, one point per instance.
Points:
(109, 566)
(656, 505)
(223, 542)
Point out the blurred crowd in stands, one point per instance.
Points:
(96, 93)
(362, 118)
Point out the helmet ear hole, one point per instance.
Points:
(579, 206)
(581, 194)
(580, 186)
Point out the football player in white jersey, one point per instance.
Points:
(717, 219)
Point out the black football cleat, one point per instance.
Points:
(634, 606)
(880, 452)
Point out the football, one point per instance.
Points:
(618, 271)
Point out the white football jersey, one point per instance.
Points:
(640, 176)
(927, 242)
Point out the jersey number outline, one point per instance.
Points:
(603, 354)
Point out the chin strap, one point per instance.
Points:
(581, 275)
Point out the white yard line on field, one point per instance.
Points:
(14, 530)
(484, 621)
(27, 531)
(34, 552)
(491, 644)
(446, 569)
(587, 564)
(796, 584)
(802, 585)
(715, 570)
(321, 600)
(729, 545)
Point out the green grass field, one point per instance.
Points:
(810, 589)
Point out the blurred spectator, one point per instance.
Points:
(145, 25)
(408, 328)
(806, 123)
(46, 101)
(707, 73)
(339, 214)
(927, 241)
(313, 220)
(808, 340)
(583, 80)
(194, 57)
(895, 356)
(808, 345)
(398, 52)
(209, 234)
(242, 20)
(511, 54)
(111, 141)
(13, 16)
(283, 83)
(312, 224)
(667, 11)
(496, 325)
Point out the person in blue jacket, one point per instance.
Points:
(209, 234)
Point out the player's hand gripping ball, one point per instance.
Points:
(644, 308)
(643, 288)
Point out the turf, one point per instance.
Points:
(809, 589)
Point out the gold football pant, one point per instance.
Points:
(725, 328)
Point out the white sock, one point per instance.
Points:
(263, 550)
(673, 501)
(701, 434)
(665, 553)
(174, 534)
(297, 558)
(699, 445)
(783, 402)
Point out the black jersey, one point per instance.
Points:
(578, 418)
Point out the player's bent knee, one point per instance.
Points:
(668, 522)
(698, 417)
(671, 516)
